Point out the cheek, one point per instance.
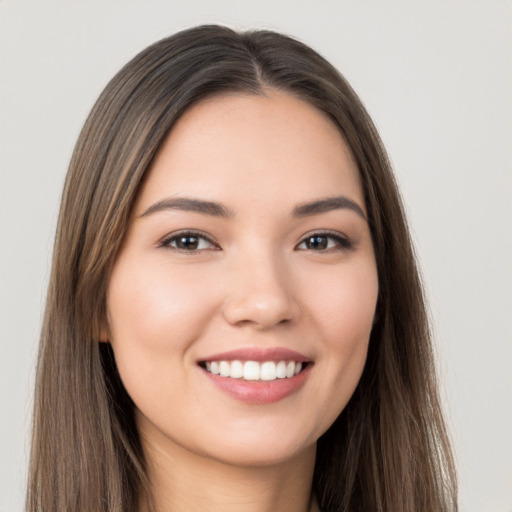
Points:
(154, 317)
(344, 304)
(154, 306)
(344, 309)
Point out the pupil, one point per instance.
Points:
(188, 242)
(317, 242)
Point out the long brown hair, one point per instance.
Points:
(387, 451)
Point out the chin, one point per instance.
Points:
(263, 454)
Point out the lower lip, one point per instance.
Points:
(259, 391)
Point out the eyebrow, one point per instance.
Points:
(326, 205)
(218, 210)
(189, 205)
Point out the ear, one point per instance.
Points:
(103, 331)
(103, 337)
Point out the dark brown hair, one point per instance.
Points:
(387, 451)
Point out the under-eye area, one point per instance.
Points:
(255, 370)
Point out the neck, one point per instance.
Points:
(184, 481)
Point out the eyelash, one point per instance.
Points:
(342, 243)
(187, 234)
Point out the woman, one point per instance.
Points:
(234, 320)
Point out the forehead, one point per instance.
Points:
(259, 148)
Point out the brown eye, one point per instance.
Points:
(189, 242)
(325, 242)
(317, 242)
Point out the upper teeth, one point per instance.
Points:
(252, 370)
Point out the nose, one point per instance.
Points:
(260, 294)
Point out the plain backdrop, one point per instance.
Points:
(435, 76)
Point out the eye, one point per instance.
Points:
(189, 241)
(325, 242)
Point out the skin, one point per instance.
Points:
(259, 282)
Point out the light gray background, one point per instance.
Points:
(436, 77)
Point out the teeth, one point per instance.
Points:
(224, 369)
(236, 370)
(252, 370)
(268, 371)
(281, 370)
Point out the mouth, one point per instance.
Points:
(258, 375)
(255, 370)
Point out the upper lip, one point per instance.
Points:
(259, 354)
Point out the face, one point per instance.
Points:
(242, 300)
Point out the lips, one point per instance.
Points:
(258, 376)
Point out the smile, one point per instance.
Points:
(257, 375)
(254, 370)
